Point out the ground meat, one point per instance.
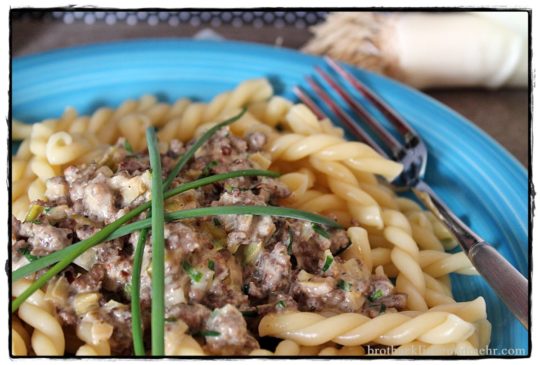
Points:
(271, 274)
(382, 297)
(226, 286)
(15, 228)
(256, 141)
(280, 303)
(339, 241)
(134, 165)
(45, 238)
(121, 341)
(232, 336)
(179, 236)
(308, 247)
(272, 190)
(57, 190)
(90, 281)
(84, 231)
(194, 315)
(17, 248)
(389, 303)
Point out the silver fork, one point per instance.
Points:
(506, 281)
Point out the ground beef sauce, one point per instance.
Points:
(222, 273)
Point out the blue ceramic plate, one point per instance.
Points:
(480, 180)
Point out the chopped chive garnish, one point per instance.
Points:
(209, 333)
(25, 251)
(158, 248)
(211, 265)
(171, 319)
(249, 314)
(321, 231)
(343, 285)
(127, 289)
(216, 221)
(207, 169)
(47, 209)
(382, 309)
(195, 275)
(112, 231)
(327, 263)
(128, 147)
(281, 305)
(136, 322)
(289, 242)
(375, 295)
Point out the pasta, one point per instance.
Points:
(382, 283)
(48, 337)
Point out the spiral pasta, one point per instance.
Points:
(390, 236)
(442, 324)
(48, 337)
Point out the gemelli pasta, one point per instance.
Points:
(375, 282)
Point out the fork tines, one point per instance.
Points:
(362, 112)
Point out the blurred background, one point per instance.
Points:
(475, 63)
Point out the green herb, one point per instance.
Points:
(209, 333)
(115, 229)
(216, 222)
(249, 314)
(25, 251)
(318, 229)
(281, 305)
(128, 147)
(207, 169)
(195, 275)
(191, 152)
(47, 209)
(327, 263)
(228, 188)
(245, 289)
(136, 326)
(289, 242)
(375, 295)
(382, 309)
(343, 285)
(158, 247)
(171, 319)
(127, 289)
(211, 265)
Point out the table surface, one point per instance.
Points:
(503, 114)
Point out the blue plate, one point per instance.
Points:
(480, 180)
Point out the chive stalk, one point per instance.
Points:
(136, 323)
(158, 247)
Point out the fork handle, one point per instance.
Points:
(504, 279)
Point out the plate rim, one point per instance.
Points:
(77, 50)
(148, 44)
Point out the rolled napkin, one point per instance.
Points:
(424, 50)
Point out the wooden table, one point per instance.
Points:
(503, 114)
